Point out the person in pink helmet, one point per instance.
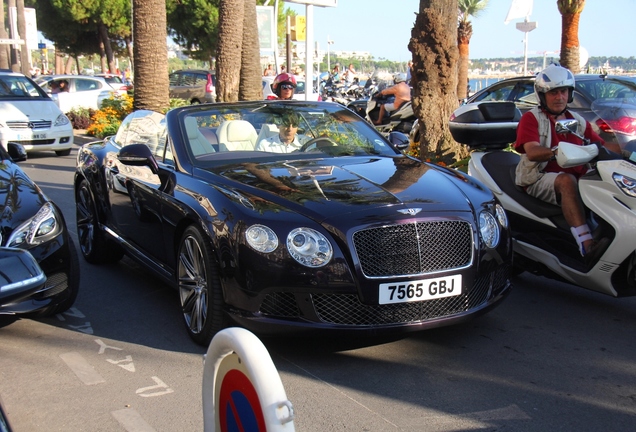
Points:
(283, 86)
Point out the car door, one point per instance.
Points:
(92, 91)
(133, 191)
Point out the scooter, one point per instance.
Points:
(400, 120)
(542, 241)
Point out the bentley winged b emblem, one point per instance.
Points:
(410, 211)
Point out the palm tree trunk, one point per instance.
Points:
(250, 87)
(570, 57)
(151, 55)
(434, 47)
(229, 50)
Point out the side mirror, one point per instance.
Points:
(138, 155)
(17, 152)
(399, 140)
(566, 126)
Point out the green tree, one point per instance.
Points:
(433, 44)
(467, 9)
(570, 14)
(193, 24)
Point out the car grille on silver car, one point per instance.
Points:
(414, 248)
(37, 124)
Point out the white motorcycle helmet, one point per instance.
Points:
(550, 78)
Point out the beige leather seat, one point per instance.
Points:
(236, 135)
(198, 143)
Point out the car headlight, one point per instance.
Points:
(489, 229)
(626, 184)
(309, 247)
(501, 216)
(261, 238)
(61, 120)
(42, 227)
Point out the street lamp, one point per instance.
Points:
(329, 42)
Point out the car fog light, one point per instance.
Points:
(488, 229)
(261, 238)
(501, 216)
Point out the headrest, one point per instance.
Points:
(240, 130)
(192, 129)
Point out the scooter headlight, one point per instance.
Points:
(626, 184)
(489, 229)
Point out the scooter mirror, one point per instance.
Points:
(567, 126)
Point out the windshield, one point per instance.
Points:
(277, 129)
(17, 87)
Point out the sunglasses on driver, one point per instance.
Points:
(287, 86)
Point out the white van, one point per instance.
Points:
(29, 117)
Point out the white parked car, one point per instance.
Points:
(299, 93)
(29, 117)
(82, 91)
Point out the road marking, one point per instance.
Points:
(160, 385)
(84, 328)
(130, 366)
(84, 371)
(131, 420)
(103, 346)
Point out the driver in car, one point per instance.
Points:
(286, 140)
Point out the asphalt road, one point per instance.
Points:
(552, 357)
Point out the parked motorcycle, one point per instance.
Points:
(400, 120)
(543, 243)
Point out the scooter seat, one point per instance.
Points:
(501, 167)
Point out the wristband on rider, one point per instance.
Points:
(554, 153)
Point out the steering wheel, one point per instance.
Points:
(317, 143)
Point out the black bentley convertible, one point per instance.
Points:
(287, 216)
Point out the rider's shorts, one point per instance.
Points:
(544, 188)
(389, 107)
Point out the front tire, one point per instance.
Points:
(199, 287)
(95, 247)
(63, 152)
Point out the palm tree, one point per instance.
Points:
(467, 8)
(433, 44)
(151, 55)
(228, 57)
(570, 14)
(251, 86)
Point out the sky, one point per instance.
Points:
(383, 28)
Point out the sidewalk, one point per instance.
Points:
(80, 137)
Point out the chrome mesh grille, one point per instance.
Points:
(415, 248)
(345, 309)
(54, 285)
(38, 124)
(280, 304)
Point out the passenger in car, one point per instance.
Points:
(286, 141)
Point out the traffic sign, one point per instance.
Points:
(242, 390)
(526, 26)
(41, 46)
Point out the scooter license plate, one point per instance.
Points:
(424, 289)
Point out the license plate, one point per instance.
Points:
(26, 137)
(425, 289)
